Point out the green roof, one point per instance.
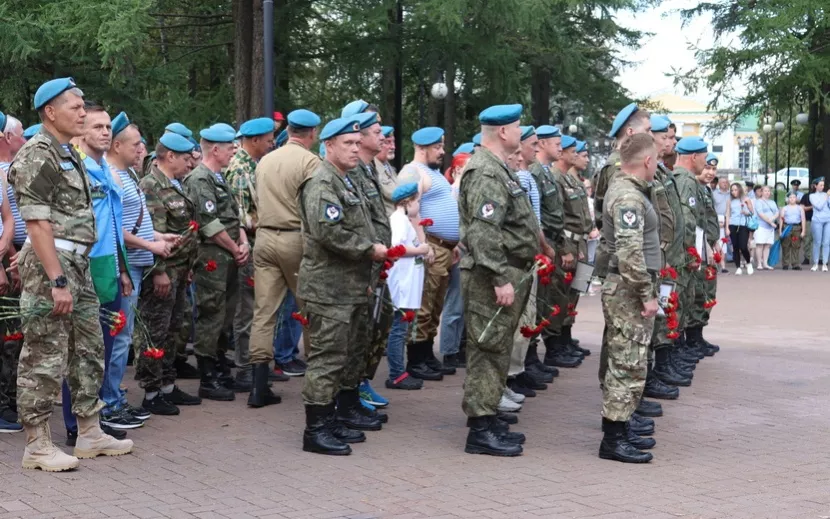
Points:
(747, 123)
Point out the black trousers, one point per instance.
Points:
(740, 243)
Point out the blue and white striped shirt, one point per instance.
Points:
(529, 185)
(440, 205)
(20, 232)
(135, 203)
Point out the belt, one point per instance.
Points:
(279, 229)
(574, 236)
(443, 243)
(616, 270)
(519, 263)
(78, 248)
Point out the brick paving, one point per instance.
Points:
(748, 439)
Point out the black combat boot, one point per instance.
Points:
(532, 361)
(681, 367)
(664, 371)
(642, 421)
(261, 395)
(433, 362)
(641, 427)
(530, 381)
(350, 415)
(539, 375)
(508, 418)
(709, 348)
(343, 433)
(517, 387)
(684, 350)
(694, 337)
(244, 379)
(209, 386)
(185, 370)
(648, 408)
(615, 445)
(655, 388)
(483, 439)
(222, 370)
(583, 352)
(556, 355)
(317, 436)
(455, 360)
(503, 430)
(635, 439)
(417, 365)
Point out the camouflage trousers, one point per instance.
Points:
(488, 354)
(520, 342)
(54, 348)
(563, 295)
(791, 250)
(381, 315)
(215, 275)
(243, 317)
(685, 296)
(337, 354)
(436, 282)
(625, 341)
(161, 319)
(704, 291)
(9, 355)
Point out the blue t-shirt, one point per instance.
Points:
(529, 185)
(821, 207)
(767, 208)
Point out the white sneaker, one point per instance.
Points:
(508, 406)
(739, 271)
(513, 396)
(749, 270)
(815, 268)
(824, 268)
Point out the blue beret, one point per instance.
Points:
(120, 122)
(427, 136)
(689, 145)
(179, 129)
(52, 89)
(622, 118)
(225, 127)
(581, 146)
(477, 139)
(500, 115)
(303, 119)
(143, 141)
(659, 124)
(568, 141)
(387, 130)
(527, 132)
(2, 122)
(711, 157)
(354, 108)
(30, 132)
(467, 147)
(340, 126)
(282, 138)
(322, 150)
(404, 191)
(817, 180)
(547, 131)
(257, 127)
(217, 133)
(175, 142)
(366, 119)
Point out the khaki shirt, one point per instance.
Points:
(388, 179)
(278, 178)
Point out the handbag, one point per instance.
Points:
(752, 221)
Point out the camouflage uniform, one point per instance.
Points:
(50, 184)
(216, 289)
(693, 216)
(501, 234)
(705, 290)
(602, 181)
(162, 318)
(552, 222)
(334, 282)
(241, 177)
(9, 349)
(631, 230)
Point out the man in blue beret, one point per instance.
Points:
(277, 257)
(223, 249)
(341, 247)
(55, 201)
(387, 174)
(502, 237)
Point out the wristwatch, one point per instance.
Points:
(59, 282)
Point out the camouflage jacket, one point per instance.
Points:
(50, 183)
(367, 181)
(575, 209)
(602, 182)
(693, 212)
(241, 177)
(498, 225)
(711, 226)
(660, 201)
(171, 211)
(675, 252)
(337, 239)
(216, 209)
(552, 214)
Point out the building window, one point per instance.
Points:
(717, 149)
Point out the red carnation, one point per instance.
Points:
(711, 273)
(387, 265)
(383, 274)
(119, 321)
(545, 280)
(297, 316)
(544, 323)
(211, 265)
(250, 281)
(717, 256)
(668, 272)
(193, 226)
(408, 316)
(794, 238)
(725, 240)
(396, 252)
(426, 222)
(572, 310)
(17, 336)
(555, 310)
(569, 277)
(527, 331)
(672, 335)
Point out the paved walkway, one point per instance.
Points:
(750, 438)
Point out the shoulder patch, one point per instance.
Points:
(629, 218)
(692, 201)
(487, 209)
(210, 206)
(332, 213)
(67, 166)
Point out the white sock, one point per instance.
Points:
(167, 389)
(151, 395)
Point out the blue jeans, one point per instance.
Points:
(287, 331)
(68, 418)
(111, 391)
(395, 345)
(452, 317)
(821, 241)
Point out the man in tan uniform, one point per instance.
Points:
(279, 240)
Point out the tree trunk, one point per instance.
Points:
(282, 56)
(243, 50)
(540, 80)
(387, 77)
(449, 116)
(813, 158)
(256, 107)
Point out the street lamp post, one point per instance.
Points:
(767, 128)
(779, 127)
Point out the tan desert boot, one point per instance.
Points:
(93, 442)
(42, 454)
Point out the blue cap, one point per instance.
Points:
(387, 130)
(690, 145)
(282, 138)
(2, 122)
(30, 132)
(427, 136)
(143, 141)
(366, 119)
(547, 131)
(467, 147)
(659, 124)
(179, 129)
(217, 133)
(500, 115)
(581, 146)
(175, 142)
(527, 132)
(257, 127)
(817, 180)
(303, 119)
(477, 139)
(322, 150)
(339, 126)
(354, 108)
(622, 118)
(404, 191)
(225, 127)
(568, 141)
(120, 122)
(52, 89)
(711, 157)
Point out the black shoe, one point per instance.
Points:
(538, 374)
(785, 267)
(405, 382)
(518, 387)
(508, 418)
(115, 433)
(293, 369)
(424, 372)
(130, 362)
(9, 414)
(138, 412)
(244, 380)
(655, 388)
(372, 412)
(301, 363)
(179, 397)
(799, 268)
(343, 433)
(503, 431)
(641, 428)
(261, 395)
(642, 420)
(435, 364)
(455, 360)
(584, 351)
(277, 375)
(209, 386)
(637, 442)
(525, 379)
(541, 366)
(482, 439)
(560, 360)
(72, 437)
(121, 420)
(615, 445)
(349, 412)
(651, 409)
(573, 351)
(805, 262)
(158, 405)
(318, 436)
(185, 370)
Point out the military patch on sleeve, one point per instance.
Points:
(67, 166)
(692, 201)
(210, 206)
(332, 213)
(487, 210)
(629, 218)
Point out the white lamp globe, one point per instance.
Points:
(439, 90)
